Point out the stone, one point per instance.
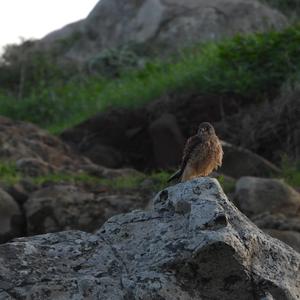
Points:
(35, 151)
(292, 238)
(18, 192)
(211, 251)
(34, 167)
(104, 155)
(278, 221)
(64, 207)
(125, 132)
(11, 218)
(238, 162)
(254, 196)
(159, 26)
(167, 141)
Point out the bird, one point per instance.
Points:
(202, 154)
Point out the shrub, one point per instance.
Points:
(253, 67)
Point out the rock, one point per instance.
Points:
(108, 173)
(11, 218)
(238, 162)
(18, 192)
(160, 26)
(258, 195)
(167, 141)
(36, 151)
(278, 221)
(34, 167)
(292, 238)
(206, 249)
(128, 136)
(64, 207)
(104, 155)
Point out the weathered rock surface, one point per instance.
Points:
(278, 221)
(36, 151)
(152, 137)
(238, 162)
(292, 238)
(167, 141)
(47, 206)
(11, 218)
(194, 245)
(259, 195)
(272, 205)
(160, 25)
(65, 207)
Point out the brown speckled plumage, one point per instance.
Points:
(202, 154)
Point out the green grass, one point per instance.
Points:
(10, 175)
(291, 172)
(252, 66)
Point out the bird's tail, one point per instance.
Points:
(176, 175)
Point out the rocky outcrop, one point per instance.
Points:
(38, 153)
(35, 151)
(153, 138)
(160, 26)
(167, 141)
(272, 205)
(65, 207)
(53, 187)
(194, 244)
(12, 221)
(259, 195)
(238, 162)
(292, 238)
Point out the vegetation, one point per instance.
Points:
(291, 172)
(10, 175)
(253, 66)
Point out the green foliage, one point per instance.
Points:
(9, 174)
(227, 184)
(253, 66)
(25, 70)
(291, 172)
(112, 62)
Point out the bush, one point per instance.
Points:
(23, 69)
(252, 67)
(113, 62)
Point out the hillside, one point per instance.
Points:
(255, 72)
(93, 121)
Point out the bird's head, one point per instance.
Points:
(205, 128)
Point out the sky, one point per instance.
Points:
(36, 18)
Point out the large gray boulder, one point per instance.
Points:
(12, 220)
(238, 162)
(255, 196)
(272, 205)
(194, 244)
(64, 207)
(161, 25)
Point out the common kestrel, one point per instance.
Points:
(201, 155)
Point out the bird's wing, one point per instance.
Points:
(189, 147)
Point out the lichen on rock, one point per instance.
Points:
(193, 244)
